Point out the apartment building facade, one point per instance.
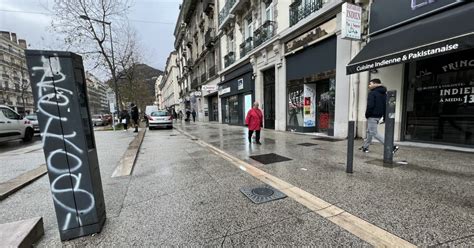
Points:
(97, 95)
(290, 57)
(198, 60)
(294, 58)
(169, 86)
(15, 87)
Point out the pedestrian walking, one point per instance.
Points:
(180, 115)
(376, 102)
(175, 115)
(125, 119)
(194, 115)
(254, 121)
(188, 113)
(134, 115)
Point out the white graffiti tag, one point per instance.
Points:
(65, 180)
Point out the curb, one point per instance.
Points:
(127, 162)
(22, 233)
(11, 186)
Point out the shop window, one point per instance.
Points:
(295, 107)
(440, 100)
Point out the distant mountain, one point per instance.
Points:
(137, 85)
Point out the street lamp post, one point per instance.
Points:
(113, 58)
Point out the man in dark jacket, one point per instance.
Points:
(134, 115)
(375, 112)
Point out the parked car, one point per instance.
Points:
(13, 126)
(107, 119)
(160, 118)
(98, 120)
(33, 118)
(148, 110)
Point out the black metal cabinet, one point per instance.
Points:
(60, 93)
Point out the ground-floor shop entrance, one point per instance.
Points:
(213, 103)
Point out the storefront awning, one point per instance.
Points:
(450, 31)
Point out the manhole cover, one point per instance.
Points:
(307, 144)
(269, 158)
(262, 194)
(262, 191)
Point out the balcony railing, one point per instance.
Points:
(225, 11)
(301, 9)
(209, 37)
(263, 33)
(203, 78)
(212, 71)
(246, 47)
(229, 59)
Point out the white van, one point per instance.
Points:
(149, 109)
(13, 126)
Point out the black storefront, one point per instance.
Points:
(435, 42)
(237, 94)
(311, 84)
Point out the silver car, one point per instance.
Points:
(97, 120)
(160, 118)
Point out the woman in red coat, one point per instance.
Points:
(254, 121)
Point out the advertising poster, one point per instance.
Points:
(309, 107)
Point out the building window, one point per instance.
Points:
(268, 11)
(248, 31)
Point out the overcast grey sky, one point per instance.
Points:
(153, 20)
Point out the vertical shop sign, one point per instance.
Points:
(351, 21)
(309, 107)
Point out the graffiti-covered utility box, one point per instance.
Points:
(60, 93)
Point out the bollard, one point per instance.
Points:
(389, 126)
(350, 147)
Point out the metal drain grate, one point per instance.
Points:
(173, 135)
(262, 194)
(307, 144)
(194, 139)
(269, 158)
(327, 139)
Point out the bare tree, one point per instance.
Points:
(87, 28)
(132, 84)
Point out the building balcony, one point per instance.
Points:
(229, 59)
(212, 71)
(301, 9)
(246, 47)
(209, 38)
(224, 13)
(264, 33)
